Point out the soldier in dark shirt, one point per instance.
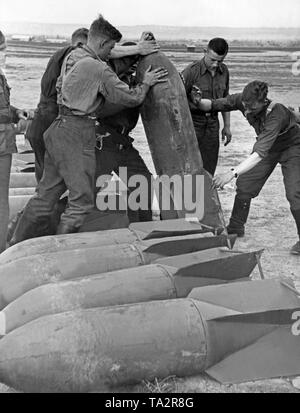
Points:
(211, 76)
(47, 110)
(278, 141)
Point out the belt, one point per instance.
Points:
(203, 115)
(64, 111)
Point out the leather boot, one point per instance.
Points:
(25, 229)
(239, 217)
(66, 229)
(296, 248)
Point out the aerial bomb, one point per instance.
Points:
(133, 285)
(136, 232)
(172, 139)
(97, 349)
(21, 191)
(20, 276)
(22, 180)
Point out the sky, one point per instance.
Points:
(225, 13)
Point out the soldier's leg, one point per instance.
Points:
(131, 159)
(290, 164)
(40, 123)
(211, 145)
(249, 186)
(75, 160)
(200, 126)
(5, 166)
(107, 160)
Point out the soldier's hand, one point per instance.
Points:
(152, 77)
(22, 114)
(147, 36)
(226, 136)
(219, 181)
(147, 44)
(196, 95)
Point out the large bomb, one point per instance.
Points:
(136, 232)
(173, 143)
(132, 285)
(27, 273)
(91, 350)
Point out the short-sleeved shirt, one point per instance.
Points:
(212, 87)
(86, 82)
(276, 126)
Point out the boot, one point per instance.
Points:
(25, 229)
(239, 217)
(66, 229)
(296, 248)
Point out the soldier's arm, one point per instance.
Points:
(226, 132)
(143, 48)
(118, 92)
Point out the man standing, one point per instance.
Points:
(9, 116)
(211, 76)
(86, 83)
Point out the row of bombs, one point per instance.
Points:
(118, 307)
(85, 312)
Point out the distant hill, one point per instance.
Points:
(161, 32)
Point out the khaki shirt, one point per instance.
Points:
(86, 82)
(276, 125)
(211, 87)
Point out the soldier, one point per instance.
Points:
(85, 84)
(9, 116)
(114, 145)
(47, 109)
(211, 76)
(278, 141)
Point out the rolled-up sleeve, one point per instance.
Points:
(275, 123)
(116, 91)
(228, 104)
(188, 79)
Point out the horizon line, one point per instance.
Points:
(158, 25)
